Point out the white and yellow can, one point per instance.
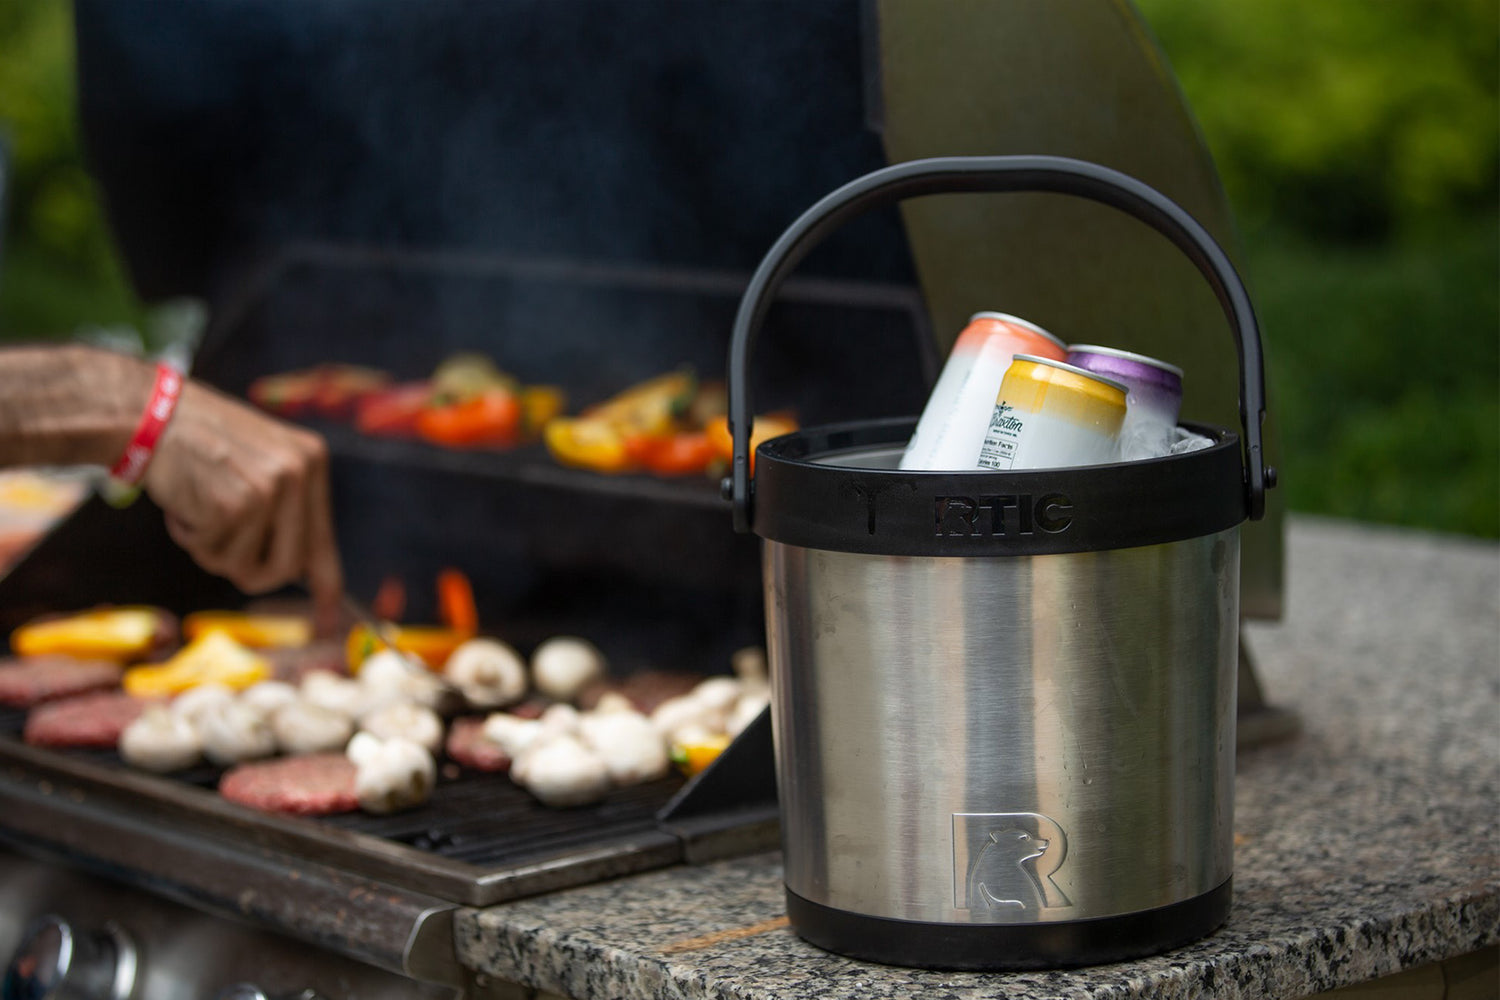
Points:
(1050, 414)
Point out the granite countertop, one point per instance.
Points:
(1366, 845)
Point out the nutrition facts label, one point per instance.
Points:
(999, 450)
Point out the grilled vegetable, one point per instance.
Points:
(765, 427)
(563, 666)
(215, 657)
(124, 633)
(693, 756)
(431, 644)
(465, 376)
(491, 419)
(540, 404)
(160, 740)
(393, 412)
(489, 673)
(678, 454)
(259, 631)
(600, 438)
(456, 601)
(582, 443)
(392, 774)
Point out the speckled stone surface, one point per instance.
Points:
(1366, 845)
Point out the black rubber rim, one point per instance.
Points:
(806, 502)
(1009, 947)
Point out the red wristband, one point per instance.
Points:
(131, 468)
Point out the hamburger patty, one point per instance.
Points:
(468, 745)
(86, 720)
(30, 680)
(314, 784)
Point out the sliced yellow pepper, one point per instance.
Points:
(585, 443)
(539, 405)
(260, 631)
(650, 407)
(214, 657)
(107, 633)
(691, 758)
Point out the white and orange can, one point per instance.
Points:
(952, 424)
(1049, 414)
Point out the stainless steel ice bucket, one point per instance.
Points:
(1004, 701)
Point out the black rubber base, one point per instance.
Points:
(1008, 947)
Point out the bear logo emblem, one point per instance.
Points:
(1005, 862)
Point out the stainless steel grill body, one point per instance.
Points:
(1005, 740)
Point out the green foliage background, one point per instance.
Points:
(1359, 142)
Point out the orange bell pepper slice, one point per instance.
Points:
(429, 643)
(489, 420)
(680, 454)
(456, 602)
(766, 427)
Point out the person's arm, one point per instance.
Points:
(244, 494)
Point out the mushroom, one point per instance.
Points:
(562, 771)
(514, 734)
(632, 750)
(683, 711)
(160, 740)
(340, 694)
(749, 664)
(745, 711)
(195, 701)
(232, 732)
(718, 694)
(390, 774)
(563, 666)
(268, 697)
(387, 677)
(408, 721)
(559, 719)
(303, 727)
(487, 672)
(611, 702)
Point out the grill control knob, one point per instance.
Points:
(55, 961)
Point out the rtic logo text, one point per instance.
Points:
(1004, 514)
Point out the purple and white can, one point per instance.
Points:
(1153, 397)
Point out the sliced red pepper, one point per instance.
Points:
(290, 394)
(341, 387)
(390, 600)
(456, 601)
(393, 412)
(681, 454)
(489, 420)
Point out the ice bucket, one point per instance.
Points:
(1004, 702)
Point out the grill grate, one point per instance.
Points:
(478, 818)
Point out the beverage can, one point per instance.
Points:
(1153, 396)
(952, 426)
(1049, 414)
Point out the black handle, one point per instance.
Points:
(957, 174)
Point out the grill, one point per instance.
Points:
(357, 189)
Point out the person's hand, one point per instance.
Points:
(247, 497)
